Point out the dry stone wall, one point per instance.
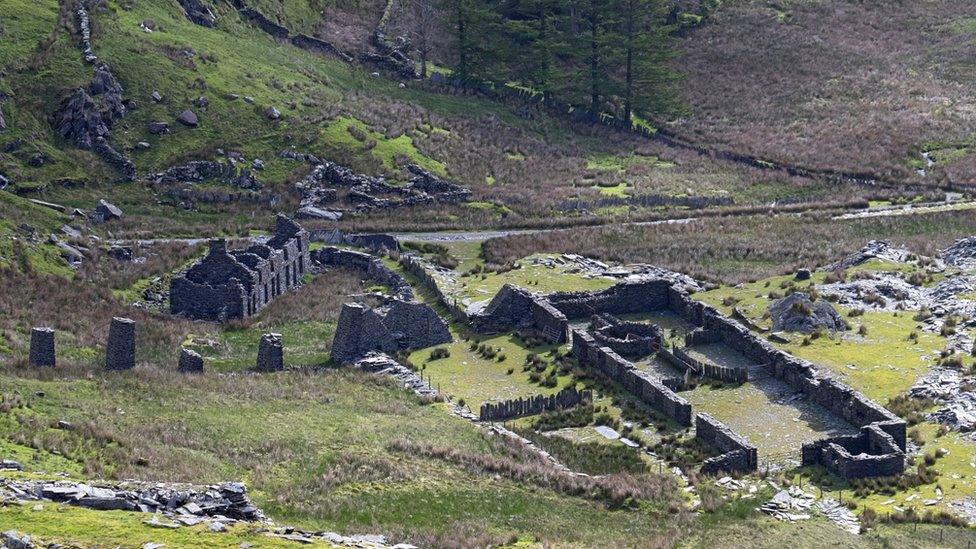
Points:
(530, 406)
(632, 296)
(738, 455)
(630, 339)
(371, 266)
(872, 452)
(613, 366)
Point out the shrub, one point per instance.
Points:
(440, 353)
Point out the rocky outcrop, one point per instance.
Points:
(396, 326)
(105, 84)
(319, 189)
(188, 118)
(797, 313)
(875, 249)
(227, 500)
(198, 12)
(106, 211)
(79, 120)
(961, 254)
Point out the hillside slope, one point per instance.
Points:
(523, 165)
(858, 86)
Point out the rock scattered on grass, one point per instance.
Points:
(797, 313)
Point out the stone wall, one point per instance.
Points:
(632, 296)
(226, 285)
(371, 266)
(738, 456)
(803, 376)
(872, 452)
(530, 406)
(514, 308)
(415, 267)
(396, 326)
(630, 339)
(681, 359)
(650, 391)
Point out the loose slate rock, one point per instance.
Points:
(272, 113)
(188, 118)
(106, 211)
(158, 128)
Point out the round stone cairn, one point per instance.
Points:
(41, 347)
(120, 353)
(190, 362)
(271, 354)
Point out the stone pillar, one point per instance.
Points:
(120, 353)
(271, 354)
(41, 347)
(190, 362)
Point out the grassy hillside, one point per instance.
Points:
(523, 169)
(858, 86)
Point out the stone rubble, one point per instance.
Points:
(322, 186)
(839, 515)
(381, 364)
(785, 502)
(171, 506)
(953, 391)
(875, 249)
(961, 254)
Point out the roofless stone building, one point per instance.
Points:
(237, 284)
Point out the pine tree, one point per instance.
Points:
(644, 39)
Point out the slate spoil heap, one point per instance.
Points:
(228, 500)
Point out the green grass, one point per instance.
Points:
(351, 135)
(536, 278)
(305, 344)
(40, 256)
(312, 448)
(466, 374)
(882, 364)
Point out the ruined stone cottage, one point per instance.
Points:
(238, 283)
